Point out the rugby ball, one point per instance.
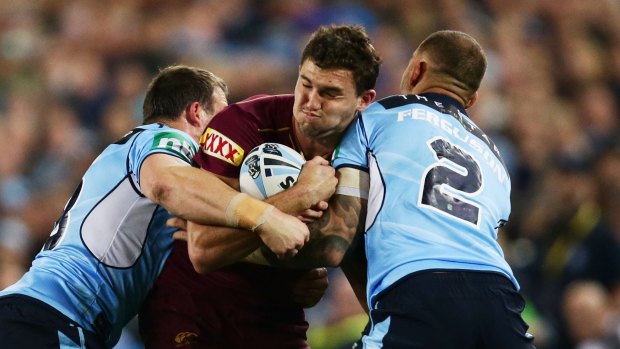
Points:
(269, 169)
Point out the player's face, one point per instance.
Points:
(325, 101)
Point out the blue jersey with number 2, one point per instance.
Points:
(111, 241)
(438, 189)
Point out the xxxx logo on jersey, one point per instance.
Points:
(175, 143)
(217, 145)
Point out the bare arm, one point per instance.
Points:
(185, 191)
(199, 196)
(212, 247)
(332, 234)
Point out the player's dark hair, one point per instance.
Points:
(176, 87)
(457, 55)
(345, 47)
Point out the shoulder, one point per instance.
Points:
(158, 138)
(397, 101)
(257, 112)
(264, 102)
(266, 106)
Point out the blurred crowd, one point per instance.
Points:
(73, 73)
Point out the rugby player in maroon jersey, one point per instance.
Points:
(209, 297)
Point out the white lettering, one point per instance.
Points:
(403, 114)
(476, 145)
(456, 132)
(172, 143)
(445, 125)
(418, 114)
(433, 118)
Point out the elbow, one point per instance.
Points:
(332, 251)
(326, 256)
(160, 191)
(201, 260)
(332, 258)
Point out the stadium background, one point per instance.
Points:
(72, 75)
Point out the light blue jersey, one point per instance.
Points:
(111, 241)
(439, 189)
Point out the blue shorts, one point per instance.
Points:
(26, 322)
(447, 309)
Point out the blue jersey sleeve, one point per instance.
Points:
(352, 150)
(161, 140)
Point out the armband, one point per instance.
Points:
(352, 182)
(245, 212)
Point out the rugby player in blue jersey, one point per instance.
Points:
(111, 241)
(426, 192)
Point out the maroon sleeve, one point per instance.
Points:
(240, 127)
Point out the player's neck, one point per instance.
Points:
(180, 124)
(313, 147)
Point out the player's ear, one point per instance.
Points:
(472, 100)
(192, 113)
(419, 70)
(365, 99)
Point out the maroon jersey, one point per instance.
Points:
(242, 305)
(240, 127)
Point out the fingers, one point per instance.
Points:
(289, 254)
(321, 205)
(306, 220)
(319, 161)
(294, 251)
(317, 273)
(176, 222)
(309, 289)
(180, 235)
(310, 215)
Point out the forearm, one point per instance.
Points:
(193, 194)
(330, 236)
(211, 248)
(197, 195)
(291, 201)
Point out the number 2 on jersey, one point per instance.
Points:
(459, 171)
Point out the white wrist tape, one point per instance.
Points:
(246, 212)
(352, 182)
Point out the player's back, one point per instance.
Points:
(111, 241)
(439, 189)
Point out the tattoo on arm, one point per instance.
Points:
(331, 235)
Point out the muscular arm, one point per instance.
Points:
(211, 248)
(185, 191)
(332, 234)
(199, 196)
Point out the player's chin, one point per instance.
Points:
(312, 129)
